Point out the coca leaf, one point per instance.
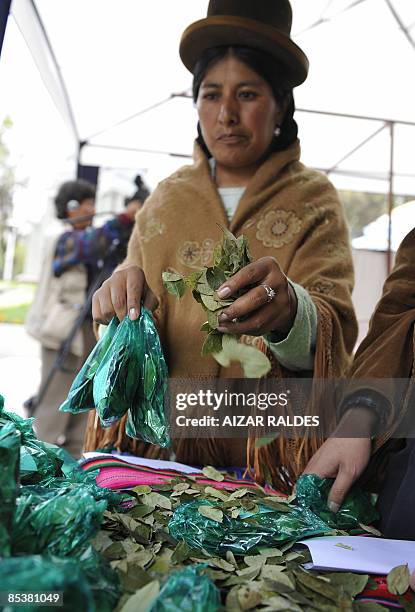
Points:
(212, 344)
(398, 580)
(211, 513)
(213, 474)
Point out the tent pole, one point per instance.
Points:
(391, 195)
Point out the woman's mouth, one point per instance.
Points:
(231, 139)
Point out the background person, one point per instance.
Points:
(387, 352)
(71, 264)
(246, 176)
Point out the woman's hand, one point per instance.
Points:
(255, 313)
(122, 292)
(344, 458)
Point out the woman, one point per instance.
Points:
(246, 176)
(379, 398)
(69, 270)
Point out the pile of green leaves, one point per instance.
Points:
(139, 546)
(229, 257)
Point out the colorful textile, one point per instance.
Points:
(115, 473)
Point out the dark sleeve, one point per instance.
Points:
(384, 360)
(89, 245)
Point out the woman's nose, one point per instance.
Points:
(228, 113)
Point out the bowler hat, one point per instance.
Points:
(261, 24)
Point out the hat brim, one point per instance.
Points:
(228, 30)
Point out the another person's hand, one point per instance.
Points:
(344, 458)
(256, 313)
(122, 293)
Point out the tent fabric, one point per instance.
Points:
(4, 14)
(118, 59)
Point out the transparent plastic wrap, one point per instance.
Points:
(312, 492)
(118, 375)
(103, 580)
(39, 574)
(9, 478)
(148, 418)
(86, 481)
(60, 522)
(188, 590)
(80, 397)
(38, 460)
(240, 535)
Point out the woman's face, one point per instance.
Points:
(86, 207)
(238, 114)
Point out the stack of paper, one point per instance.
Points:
(359, 554)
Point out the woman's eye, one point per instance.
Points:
(210, 96)
(248, 95)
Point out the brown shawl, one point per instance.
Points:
(287, 211)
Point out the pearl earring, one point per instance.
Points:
(277, 131)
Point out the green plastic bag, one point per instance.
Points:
(148, 417)
(103, 580)
(312, 492)
(40, 574)
(38, 460)
(86, 481)
(80, 397)
(9, 476)
(240, 535)
(117, 377)
(188, 590)
(133, 377)
(59, 521)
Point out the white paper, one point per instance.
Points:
(366, 554)
(156, 464)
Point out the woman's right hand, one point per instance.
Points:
(343, 456)
(123, 292)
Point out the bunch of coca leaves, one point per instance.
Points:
(140, 547)
(229, 257)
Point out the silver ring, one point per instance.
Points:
(235, 320)
(269, 291)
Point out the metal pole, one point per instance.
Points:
(390, 197)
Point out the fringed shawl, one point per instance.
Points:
(287, 211)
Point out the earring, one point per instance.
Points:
(277, 131)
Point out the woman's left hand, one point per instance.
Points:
(256, 312)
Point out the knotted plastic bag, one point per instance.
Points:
(86, 481)
(40, 574)
(59, 521)
(240, 535)
(38, 460)
(312, 492)
(80, 397)
(132, 377)
(117, 377)
(188, 590)
(9, 477)
(148, 418)
(103, 580)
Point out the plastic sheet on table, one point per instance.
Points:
(240, 535)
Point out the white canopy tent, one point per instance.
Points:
(114, 73)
